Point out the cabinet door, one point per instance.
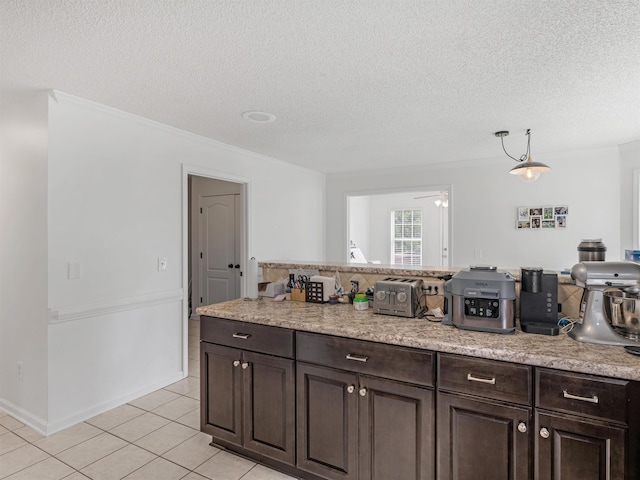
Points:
(327, 427)
(221, 387)
(269, 406)
(396, 431)
(482, 440)
(573, 447)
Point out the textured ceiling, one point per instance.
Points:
(353, 84)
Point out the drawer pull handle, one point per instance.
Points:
(357, 358)
(490, 381)
(593, 399)
(242, 336)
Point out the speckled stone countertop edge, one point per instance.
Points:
(559, 352)
(404, 271)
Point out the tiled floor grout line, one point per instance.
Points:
(179, 392)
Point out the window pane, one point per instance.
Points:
(407, 241)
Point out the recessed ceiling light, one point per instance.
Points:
(258, 117)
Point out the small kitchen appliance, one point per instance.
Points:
(600, 280)
(483, 299)
(539, 302)
(398, 296)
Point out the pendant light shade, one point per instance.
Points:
(528, 170)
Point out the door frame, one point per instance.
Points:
(245, 239)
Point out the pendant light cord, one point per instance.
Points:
(526, 155)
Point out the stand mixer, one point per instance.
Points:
(598, 278)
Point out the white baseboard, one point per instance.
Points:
(20, 414)
(47, 428)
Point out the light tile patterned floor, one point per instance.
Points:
(155, 437)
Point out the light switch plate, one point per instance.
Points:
(74, 270)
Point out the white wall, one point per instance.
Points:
(483, 204)
(630, 162)
(359, 223)
(112, 198)
(380, 215)
(23, 259)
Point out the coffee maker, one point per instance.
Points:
(599, 280)
(539, 301)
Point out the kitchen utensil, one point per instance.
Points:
(593, 326)
(398, 296)
(539, 302)
(483, 299)
(591, 250)
(622, 311)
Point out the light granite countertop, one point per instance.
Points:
(559, 352)
(401, 271)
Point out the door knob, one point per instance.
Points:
(544, 433)
(230, 265)
(237, 265)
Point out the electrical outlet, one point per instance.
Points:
(433, 287)
(162, 264)
(20, 371)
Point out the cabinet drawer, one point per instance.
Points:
(388, 361)
(582, 394)
(486, 378)
(247, 336)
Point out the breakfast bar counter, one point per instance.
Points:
(342, 320)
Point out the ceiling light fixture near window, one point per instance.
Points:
(528, 171)
(258, 117)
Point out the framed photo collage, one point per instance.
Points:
(542, 217)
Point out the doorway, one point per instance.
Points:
(215, 241)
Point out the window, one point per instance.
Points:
(407, 237)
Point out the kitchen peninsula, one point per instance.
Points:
(560, 352)
(324, 391)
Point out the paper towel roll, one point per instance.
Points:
(252, 279)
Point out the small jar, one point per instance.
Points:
(360, 302)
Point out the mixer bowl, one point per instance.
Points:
(622, 310)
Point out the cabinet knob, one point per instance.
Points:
(236, 363)
(351, 389)
(544, 433)
(522, 427)
(363, 392)
(245, 365)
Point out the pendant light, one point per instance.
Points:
(528, 170)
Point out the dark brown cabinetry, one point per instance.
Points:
(581, 424)
(482, 433)
(248, 398)
(322, 407)
(352, 425)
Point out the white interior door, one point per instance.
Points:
(219, 264)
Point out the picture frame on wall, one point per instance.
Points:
(542, 217)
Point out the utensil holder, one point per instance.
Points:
(314, 292)
(298, 295)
